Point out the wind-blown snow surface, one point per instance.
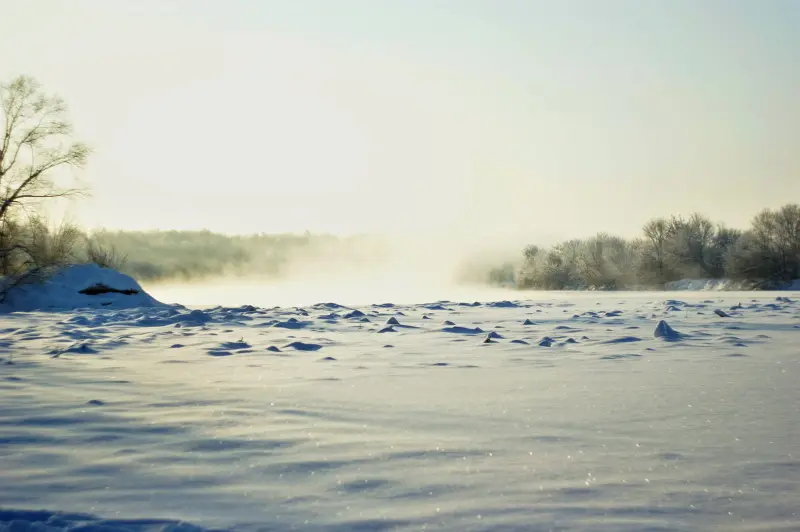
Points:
(585, 413)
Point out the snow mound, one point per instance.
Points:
(462, 330)
(292, 323)
(503, 304)
(303, 346)
(667, 333)
(80, 286)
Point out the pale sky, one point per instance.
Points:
(561, 117)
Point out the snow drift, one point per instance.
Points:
(80, 286)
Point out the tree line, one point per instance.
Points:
(765, 255)
(32, 248)
(195, 255)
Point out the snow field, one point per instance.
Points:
(626, 412)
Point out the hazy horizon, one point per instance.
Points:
(516, 118)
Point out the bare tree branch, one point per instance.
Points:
(36, 141)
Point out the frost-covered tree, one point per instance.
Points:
(654, 251)
(723, 242)
(689, 245)
(769, 253)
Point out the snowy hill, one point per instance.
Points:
(80, 286)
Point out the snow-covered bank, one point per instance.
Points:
(581, 411)
(686, 285)
(79, 286)
(698, 285)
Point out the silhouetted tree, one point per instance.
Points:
(36, 142)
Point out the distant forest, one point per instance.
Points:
(192, 255)
(765, 255)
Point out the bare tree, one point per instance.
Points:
(54, 247)
(621, 259)
(724, 241)
(690, 242)
(657, 234)
(591, 261)
(531, 253)
(105, 256)
(775, 235)
(787, 224)
(36, 142)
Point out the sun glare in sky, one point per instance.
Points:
(534, 117)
